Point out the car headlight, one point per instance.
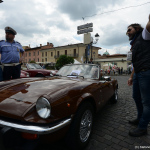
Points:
(27, 75)
(43, 107)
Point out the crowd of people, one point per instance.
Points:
(116, 71)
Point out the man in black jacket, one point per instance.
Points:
(140, 76)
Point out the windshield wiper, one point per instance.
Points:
(76, 76)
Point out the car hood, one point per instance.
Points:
(20, 95)
(37, 70)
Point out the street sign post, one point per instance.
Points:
(85, 29)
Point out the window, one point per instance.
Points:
(38, 52)
(29, 60)
(38, 59)
(74, 52)
(26, 54)
(42, 60)
(65, 52)
(45, 59)
(42, 54)
(51, 54)
(58, 53)
(33, 53)
(29, 54)
(45, 53)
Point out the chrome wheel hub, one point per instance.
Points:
(85, 125)
(116, 94)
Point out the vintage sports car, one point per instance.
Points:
(35, 70)
(47, 109)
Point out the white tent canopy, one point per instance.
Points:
(76, 62)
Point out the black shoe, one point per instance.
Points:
(134, 122)
(137, 132)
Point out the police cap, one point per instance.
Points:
(10, 30)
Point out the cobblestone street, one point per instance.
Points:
(110, 131)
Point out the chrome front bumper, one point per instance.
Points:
(35, 129)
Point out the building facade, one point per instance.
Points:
(50, 54)
(120, 60)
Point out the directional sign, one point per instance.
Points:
(85, 31)
(85, 26)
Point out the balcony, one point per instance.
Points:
(71, 55)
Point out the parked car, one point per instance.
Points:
(63, 106)
(36, 70)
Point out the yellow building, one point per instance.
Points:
(120, 60)
(77, 51)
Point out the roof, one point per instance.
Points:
(111, 59)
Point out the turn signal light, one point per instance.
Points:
(68, 104)
(29, 136)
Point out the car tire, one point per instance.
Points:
(39, 75)
(114, 98)
(81, 127)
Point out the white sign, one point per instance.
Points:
(85, 26)
(85, 31)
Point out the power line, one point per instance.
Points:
(114, 10)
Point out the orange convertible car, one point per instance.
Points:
(50, 108)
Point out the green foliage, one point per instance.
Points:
(32, 61)
(63, 60)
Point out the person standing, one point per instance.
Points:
(10, 55)
(1, 72)
(140, 76)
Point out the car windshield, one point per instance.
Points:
(86, 71)
(34, 66)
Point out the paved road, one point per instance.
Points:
(110, 131)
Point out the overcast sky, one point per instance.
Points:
(55, 21)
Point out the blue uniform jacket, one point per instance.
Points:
(10, 52)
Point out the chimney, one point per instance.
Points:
(29, 45)
(40, 45)
(47, 43)
(51, 44)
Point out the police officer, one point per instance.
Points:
(10, 55)
(1, 73)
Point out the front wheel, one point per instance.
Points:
(81, 127)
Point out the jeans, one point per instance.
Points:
(1, 74)
(141, 96)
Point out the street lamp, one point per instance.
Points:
(1, 1)
(94, 42)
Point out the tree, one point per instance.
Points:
(63, 60)
(32, 61)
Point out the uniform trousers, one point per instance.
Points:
(1, 74)
(11, 72)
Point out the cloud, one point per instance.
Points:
(82, 8)
(38, 22)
